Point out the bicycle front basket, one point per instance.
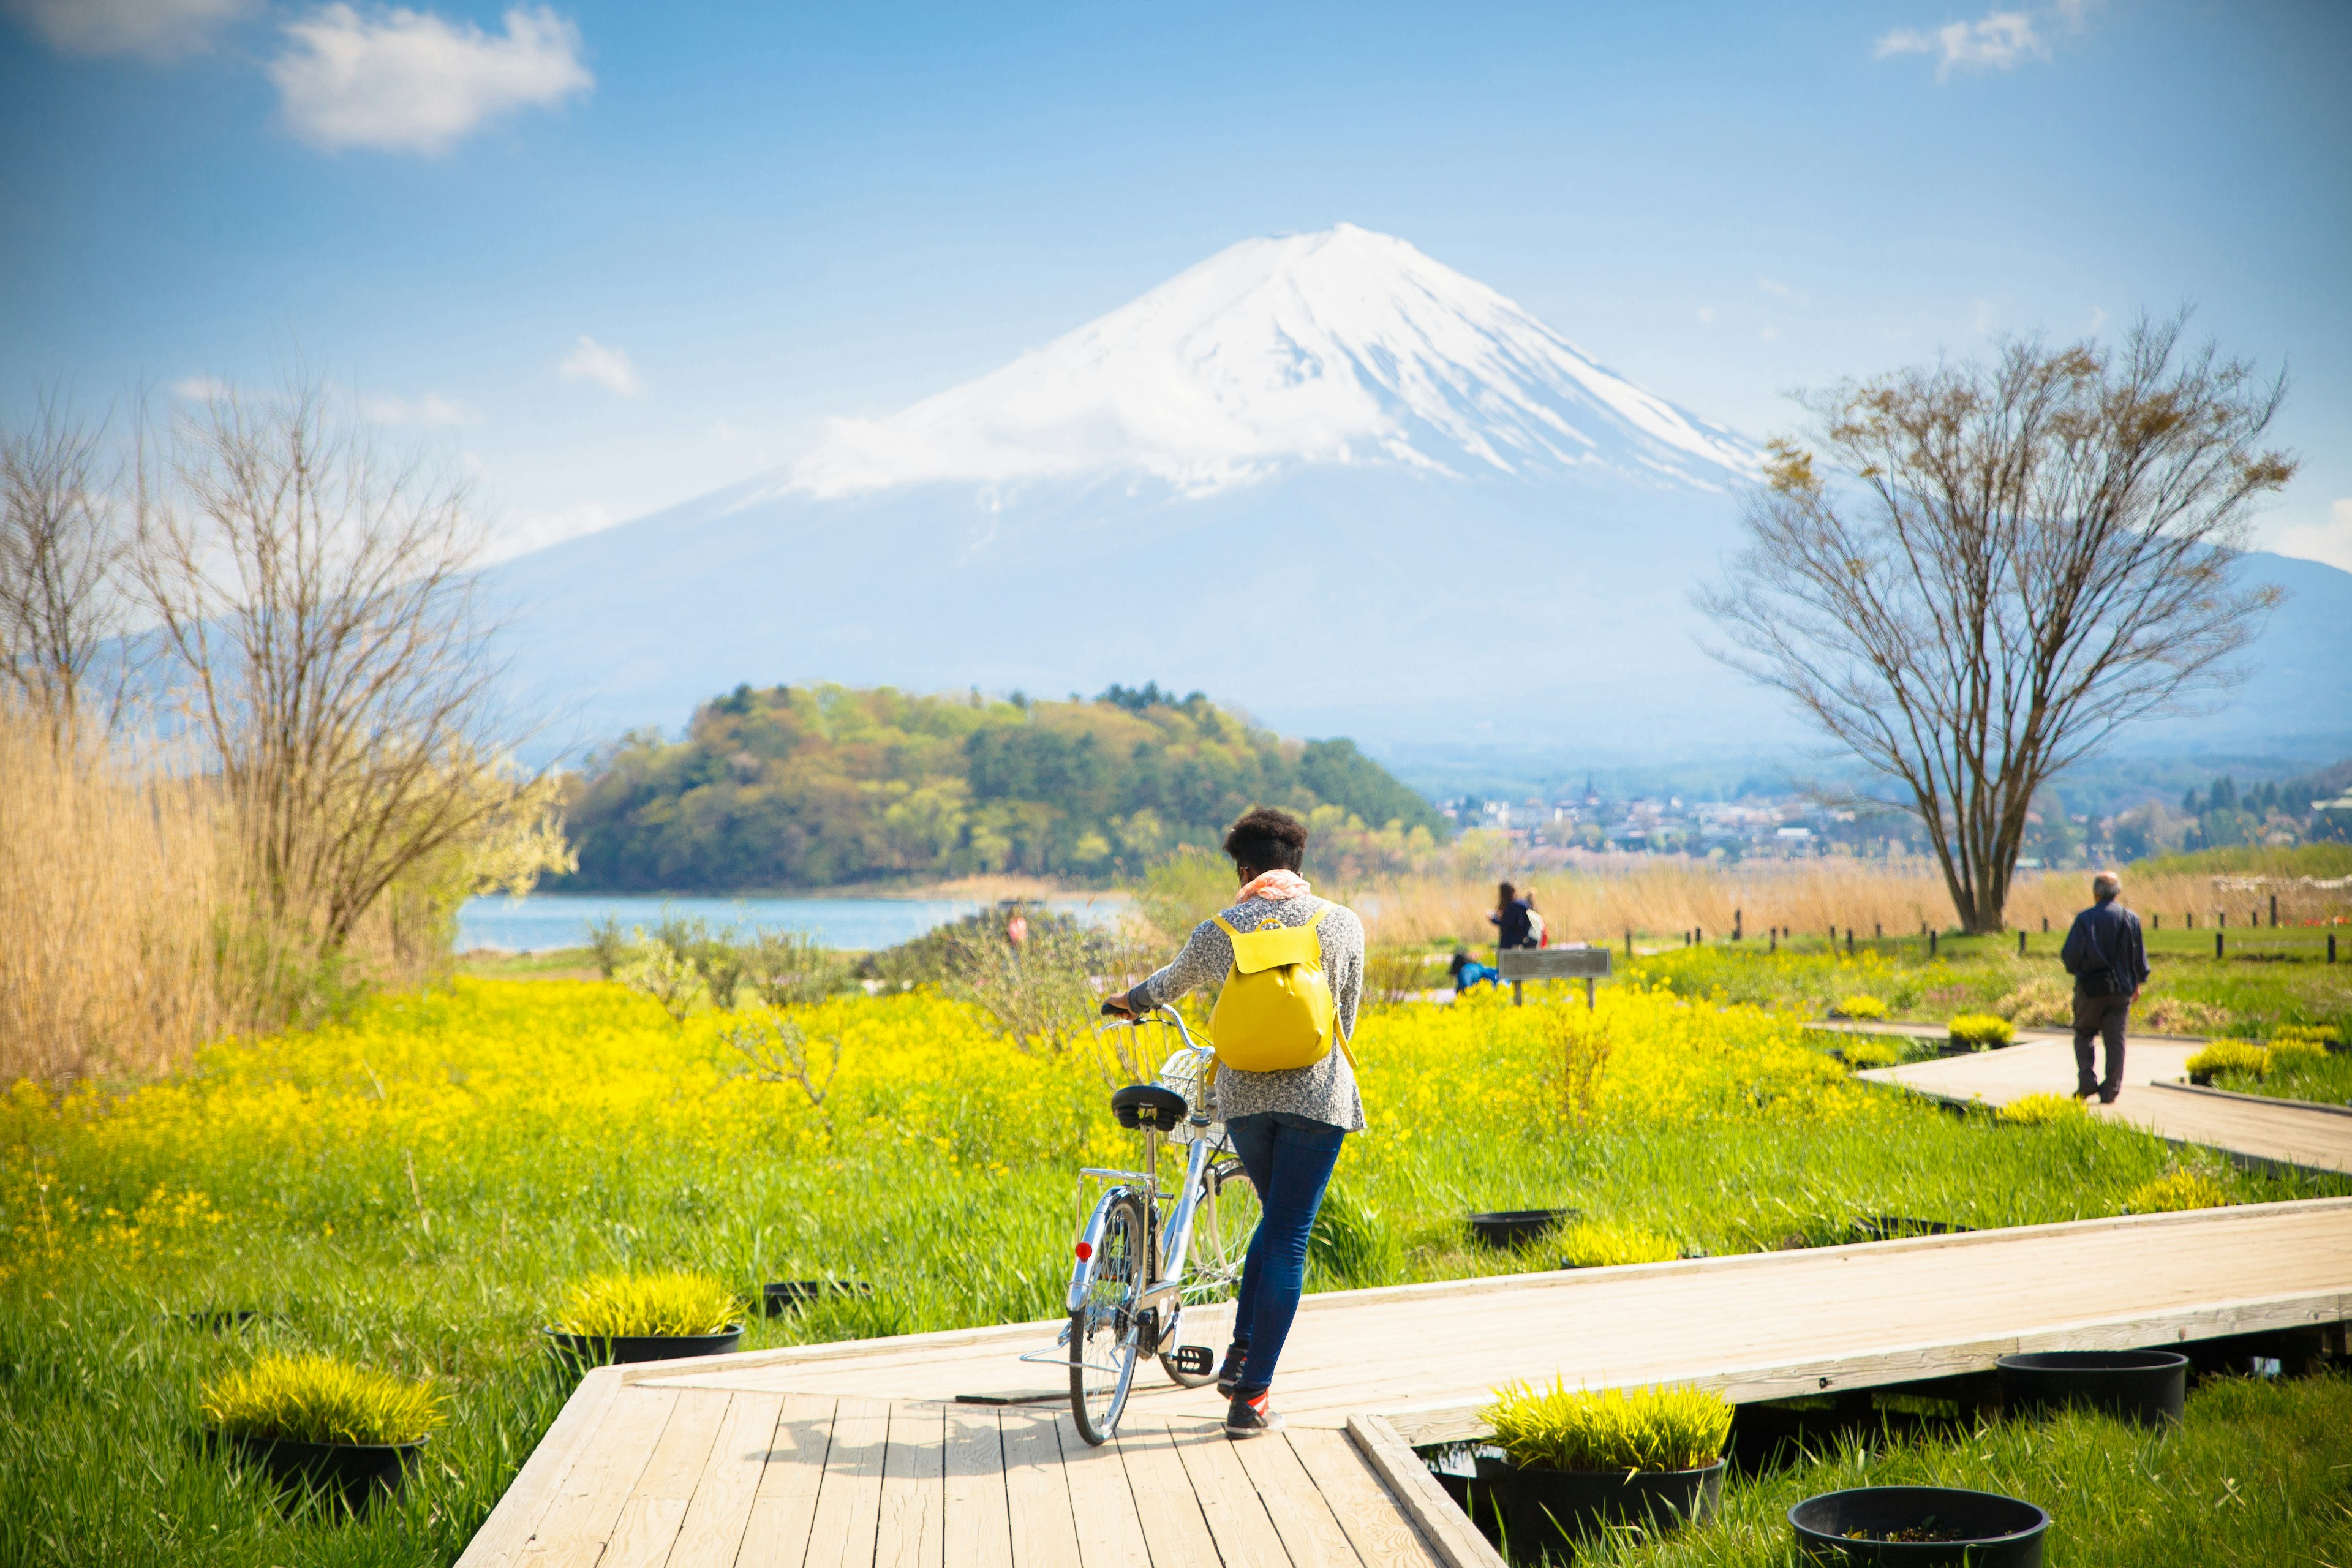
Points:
(1191, 1073)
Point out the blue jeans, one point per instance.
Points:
(1289, 1160)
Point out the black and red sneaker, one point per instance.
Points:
(1229, 1376)
(1252, 1416)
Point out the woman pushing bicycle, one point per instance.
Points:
(1292, 967)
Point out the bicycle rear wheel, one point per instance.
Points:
(1107, 1332)
(1223, 1223)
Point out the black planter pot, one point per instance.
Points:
(2145, 1386)
(1896, 1228)
(596, 1350)
(1544, 1511)
(222, 1321)
(780, 1296)
(1507, 1228)
(2202, 1079)
(1951, 1047)
(355, 1473)
(1988, 1530)
(1475, 1498)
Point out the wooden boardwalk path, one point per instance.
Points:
(862, 1455)
(2270, 1131)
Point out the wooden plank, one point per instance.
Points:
(656, 1507)
(1174, 1528)
(1245, 1536)
(914, 1490)
(1110, 1531)
(580, 1517)
(784, 1507)
(1045, 1531)
(519, 1512)
(712, 1530)
(1301, 1516)
(1382, 1533)
(1408, 1481)
(978, 1524)
(849, 1501)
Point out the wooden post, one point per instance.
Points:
(1517, 1000)
(2273, 910)
(1589, 1003)
(2045, 925)
(2220, 920)
(2331, 947)
(2156, 923)
(1931, 945)
(1698, 936)
(1629, 944)
(1740, 920)
(1877, 931)
(2218, 940)
(1776, 941)
(1849, 940)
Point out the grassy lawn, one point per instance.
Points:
(414, 1190)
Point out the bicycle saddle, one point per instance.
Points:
(1148, 1105)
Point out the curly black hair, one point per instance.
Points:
(1268, 839)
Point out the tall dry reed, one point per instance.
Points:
(112, 878)
(1651, 896)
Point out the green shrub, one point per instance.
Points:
(1865, 1008)
(318, 1399)
(2176, 1191)
(2320, 1035)
(1591, 1244)
(2231, 1056)
(614, 1306)
(2039, 1004)
(1559, 1428)
(2042, 1109)
(1870, 1053)
(1983, 1029)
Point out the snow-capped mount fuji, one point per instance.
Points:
(1322, 476)
(1342, 347)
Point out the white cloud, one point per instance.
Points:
(1996, 41)
(1983, 315)
(2099, 317)
(1781, 290)
(432, 411)
(608, 368)
(1769, 333)
(2330, 542)
(1707, 312)
(413, 83)
(156, 30)
(200, 388)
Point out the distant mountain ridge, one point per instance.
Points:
(1323, 476)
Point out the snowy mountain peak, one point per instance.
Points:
(1340, 347)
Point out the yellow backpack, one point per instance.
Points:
(1275, 1011)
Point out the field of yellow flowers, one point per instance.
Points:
(413, 1190)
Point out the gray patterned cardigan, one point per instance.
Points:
(1325, 1092)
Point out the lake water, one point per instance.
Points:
(544, 921)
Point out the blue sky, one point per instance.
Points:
(612, 256)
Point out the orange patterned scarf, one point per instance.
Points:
(1274, 886)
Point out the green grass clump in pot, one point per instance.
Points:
(624, 1306)
(1983, 1029)
(1595, 1245)
(2231, 1055)
(1866, 1053)
(1861, 1007)
(2176, 1191)
(2040, 1109)
(1560, 1428)
(318, 1399)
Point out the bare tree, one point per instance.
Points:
(318, 604)
(59, 604)
(2015, 560)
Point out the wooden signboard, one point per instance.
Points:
(1521, 963)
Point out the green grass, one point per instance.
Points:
(569, 962)
(2270, 979)
(440, 1256)
(2324, 861)
(2253, 1478)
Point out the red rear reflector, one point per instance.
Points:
(1085, 1250)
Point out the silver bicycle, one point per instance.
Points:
(1141, 1266)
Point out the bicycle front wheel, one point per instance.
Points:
(1106, 1332)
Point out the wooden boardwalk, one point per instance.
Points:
(2268, 1132)
(861, 1456)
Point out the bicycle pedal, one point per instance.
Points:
(1193, 1361)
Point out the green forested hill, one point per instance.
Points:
(810, 786)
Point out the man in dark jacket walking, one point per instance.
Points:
(2104, 955)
